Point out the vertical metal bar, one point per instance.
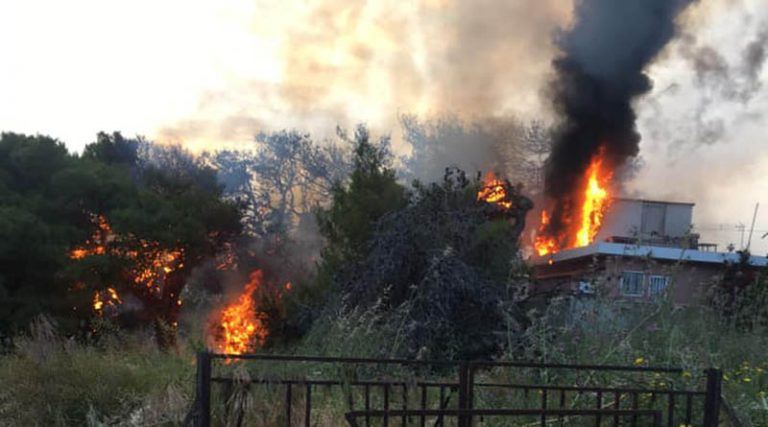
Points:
(351, 399)
(227, 399)
(599, 405)
(386, 405)
(712, 399)
(544, 407)
(562, 404)
(688, 408)
(288, 402)
(442, 405)
(616, 405)
(367, 405)
(470, 392)
(308, 407)
(657, 419)
(463, 380)
(423, 404)
(671, 409)
(635, 404)
(204, 389)
(405, 401)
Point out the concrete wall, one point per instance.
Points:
(625, 218)
(688, 282)
(679, 219)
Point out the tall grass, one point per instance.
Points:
(607, 331)
(123, 380)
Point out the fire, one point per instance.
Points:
(150, 263)
(494, 190)
(242, 327)
(107, 299)
(96, 244)
(595, 203)
(582, 225)
(545, 244)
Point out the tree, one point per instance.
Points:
(507, 145)
(439, 266)
(283, 180)
(371, 191)
(80, 234)
(175, 219)
(44, 192)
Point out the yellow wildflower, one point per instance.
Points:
(639, 361)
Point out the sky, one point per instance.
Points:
(211, 74)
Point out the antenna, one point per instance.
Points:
(752, 229)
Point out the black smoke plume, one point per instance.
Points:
(599, 73)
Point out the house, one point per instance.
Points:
(643, 250)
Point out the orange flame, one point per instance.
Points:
(594, 205)
(545, 244)
(96, 244)
(242, 327)
(149, 266)
(107, 299)
(494, 190)
(594, 199)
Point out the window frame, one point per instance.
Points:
(664, 288)
(642, 287)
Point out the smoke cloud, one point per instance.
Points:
(344, 62)
(600, 72)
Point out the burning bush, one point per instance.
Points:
(244, 322)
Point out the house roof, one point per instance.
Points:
(654, 252)
(632, 199)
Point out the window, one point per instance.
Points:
(657, 285)
(631, 284)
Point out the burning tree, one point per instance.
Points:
(143, 248)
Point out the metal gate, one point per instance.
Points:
(463, 396)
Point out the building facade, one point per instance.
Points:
(644, 250)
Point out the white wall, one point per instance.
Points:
(625, 216)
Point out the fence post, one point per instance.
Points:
(203, 389)
(464, 377)
(712, 402)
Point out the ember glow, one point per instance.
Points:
(150, 264)
(494, 191)
(97, 243)
(241, 326)
(107, 300)
(582, 223)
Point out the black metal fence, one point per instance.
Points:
(463, 396)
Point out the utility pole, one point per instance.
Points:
(752, 228)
